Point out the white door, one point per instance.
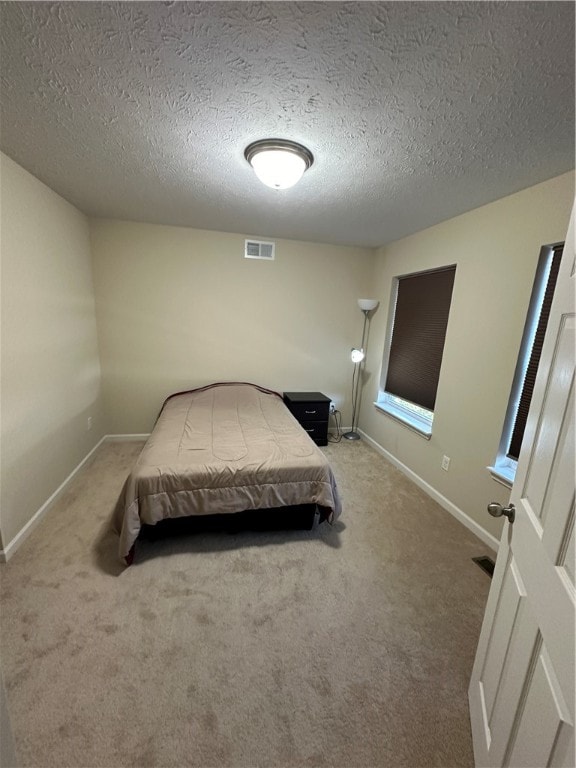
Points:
(523, 688)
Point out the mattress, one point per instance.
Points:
(223, 449)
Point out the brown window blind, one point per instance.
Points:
(418, 335)
(534, 358)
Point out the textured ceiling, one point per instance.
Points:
(414, 111)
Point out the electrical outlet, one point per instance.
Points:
(89, 423)
(332, 408)
(445, 463)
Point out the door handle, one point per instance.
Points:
(497, 510)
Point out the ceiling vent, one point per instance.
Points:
(258, 249)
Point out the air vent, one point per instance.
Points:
(258, 249)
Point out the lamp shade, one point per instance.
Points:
(367, 304)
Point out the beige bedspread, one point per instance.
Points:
(223, 449)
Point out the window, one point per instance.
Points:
(504, 468)
(413, 355)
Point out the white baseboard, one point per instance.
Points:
(22, 535)
(487, 538)
(12, 546)
(462, 517)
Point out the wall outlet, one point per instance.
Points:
(332, 407)
(445, 463)
(89, 423)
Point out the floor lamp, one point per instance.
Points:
(358, 356)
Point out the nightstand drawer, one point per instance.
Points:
(317, 430)
(310, 411)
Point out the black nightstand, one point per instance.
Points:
(312, 410)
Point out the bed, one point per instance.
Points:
(219, 450)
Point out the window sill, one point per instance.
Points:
(503, 475)
(412, 422)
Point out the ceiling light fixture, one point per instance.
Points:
(278, 163)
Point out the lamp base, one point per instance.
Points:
(351, 435)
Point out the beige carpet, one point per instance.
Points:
(348, 646)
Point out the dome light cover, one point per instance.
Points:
(278, 163)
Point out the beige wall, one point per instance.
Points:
(49, 362)
(179, 308)
(496, 249)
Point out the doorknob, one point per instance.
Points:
(497, 510)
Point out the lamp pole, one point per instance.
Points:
(353, 434)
